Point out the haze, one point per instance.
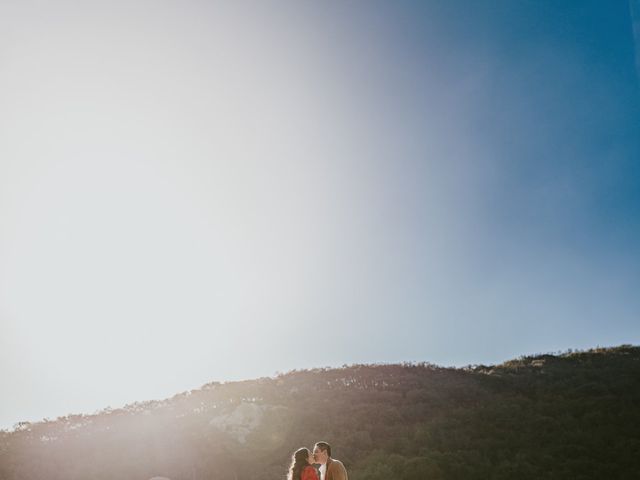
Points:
(198, 191)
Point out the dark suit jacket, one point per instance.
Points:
(335, 470)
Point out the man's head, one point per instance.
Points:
(321, 452)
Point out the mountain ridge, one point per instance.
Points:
(566, 415)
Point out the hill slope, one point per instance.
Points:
(574, 415)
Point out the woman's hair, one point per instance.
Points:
(299, 460)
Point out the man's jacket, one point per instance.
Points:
(335, 470)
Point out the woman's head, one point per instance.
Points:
(300, 459)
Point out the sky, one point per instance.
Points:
(211, 191)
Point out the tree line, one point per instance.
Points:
(570, 415)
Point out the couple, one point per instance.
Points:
(303, 464)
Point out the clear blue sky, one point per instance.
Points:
(202, 191)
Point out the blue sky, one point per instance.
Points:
(510, 170)
(214, 191)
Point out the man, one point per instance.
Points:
(330, 468)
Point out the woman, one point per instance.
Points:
(301, 468)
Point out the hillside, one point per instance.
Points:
(568, 416)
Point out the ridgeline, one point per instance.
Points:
(574, 415)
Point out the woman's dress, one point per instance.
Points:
(309, 473)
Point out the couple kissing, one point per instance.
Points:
(316, 465)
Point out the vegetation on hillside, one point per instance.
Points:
(573, 415)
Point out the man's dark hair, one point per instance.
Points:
(324, 447)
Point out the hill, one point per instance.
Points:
(568, 416)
